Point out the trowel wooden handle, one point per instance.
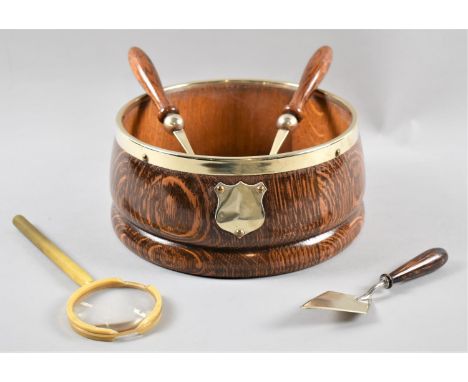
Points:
(315, 71)
(147, 75)
(421, 265)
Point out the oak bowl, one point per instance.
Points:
(232, 210)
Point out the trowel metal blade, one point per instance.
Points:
(337, 301)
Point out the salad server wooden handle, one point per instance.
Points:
(313, 74)
(147, 75)
(421, 265)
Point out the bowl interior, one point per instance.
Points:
(237, 118)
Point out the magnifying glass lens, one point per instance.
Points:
(119, 309)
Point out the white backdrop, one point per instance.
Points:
(59, 93)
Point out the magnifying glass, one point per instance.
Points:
(102, 310)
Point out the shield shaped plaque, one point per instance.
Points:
(240, 207)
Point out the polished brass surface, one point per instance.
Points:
(247, 165)
(54, 253)
(339, 302)
(240, 207)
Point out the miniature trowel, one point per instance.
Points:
(421, 265)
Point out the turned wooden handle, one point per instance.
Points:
(315, 71)
(421, 265)
(147, 75)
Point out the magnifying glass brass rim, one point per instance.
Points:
(106, 334)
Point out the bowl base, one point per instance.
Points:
(240, 263)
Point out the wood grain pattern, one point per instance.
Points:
(148, 77)
(168, 216)
(421, 265)
(180, 206)
(222, 263)
(314, 72)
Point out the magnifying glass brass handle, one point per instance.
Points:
(54, 253)
(103, 332)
